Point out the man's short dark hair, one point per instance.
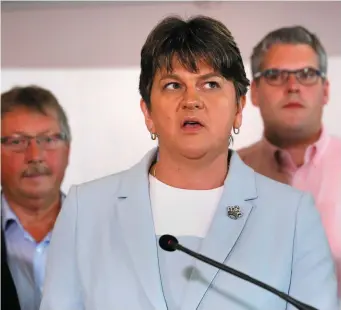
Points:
(199, 38)
(294, 35)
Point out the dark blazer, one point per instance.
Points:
(9, 297)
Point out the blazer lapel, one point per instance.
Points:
(136, 219)
(239, 190)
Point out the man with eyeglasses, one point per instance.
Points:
(291, 88)
(35, 141)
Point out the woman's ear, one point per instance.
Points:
(239, 115)
(147, 116)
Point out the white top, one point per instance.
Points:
(182, 212)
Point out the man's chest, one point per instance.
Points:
(323, 181)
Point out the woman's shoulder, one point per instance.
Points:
(123, 179)
(101, 186)
(280, 195)
(266, 188)
(268, 184)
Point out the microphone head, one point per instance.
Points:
(168, 243)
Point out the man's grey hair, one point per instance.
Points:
(36, 99)
(287, 35)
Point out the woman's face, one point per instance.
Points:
(192, 113)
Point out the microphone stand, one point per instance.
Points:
(170, 243)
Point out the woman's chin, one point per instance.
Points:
(194, 152)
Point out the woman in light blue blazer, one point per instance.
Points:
(104, 253)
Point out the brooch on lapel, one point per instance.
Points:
(234, 212)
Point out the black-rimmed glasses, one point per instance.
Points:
(277, 77)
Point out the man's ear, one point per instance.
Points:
(325, 92)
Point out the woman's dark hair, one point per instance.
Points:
(199, 38)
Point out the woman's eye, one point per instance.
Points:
(211, 84)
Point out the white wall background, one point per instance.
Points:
(88, 55)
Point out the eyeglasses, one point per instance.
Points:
(46, 142)
(277, 77)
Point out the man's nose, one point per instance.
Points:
(34, 152)
(292, 84)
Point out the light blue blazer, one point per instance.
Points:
(103, 253)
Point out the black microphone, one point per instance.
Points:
(170, 243)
